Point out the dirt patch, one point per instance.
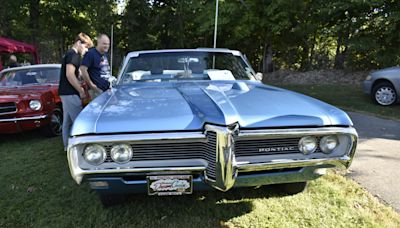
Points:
(321, 77)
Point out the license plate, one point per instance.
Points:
(169, 185)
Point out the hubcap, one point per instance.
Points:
(385, 96)
(56, 123)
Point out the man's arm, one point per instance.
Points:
(86, 77)
(70, 72)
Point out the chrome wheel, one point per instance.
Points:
(385, 95)
(54, 128)
(56, 122)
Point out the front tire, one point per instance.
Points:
(111, 200)
(293, 188)
(54, 128)
(384, 94)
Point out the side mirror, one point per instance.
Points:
(259, 76)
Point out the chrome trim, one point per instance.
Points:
(7, 113)
(14, 106)
(24, 118)
(286, 163)
(137, 53)
(77, 173)
(152, 137)
(281, 133)
(225, 164)
(278, 133)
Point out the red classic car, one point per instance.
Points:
(29, 99)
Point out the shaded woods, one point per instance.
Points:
(274, 34)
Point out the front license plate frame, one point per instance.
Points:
(169, 185)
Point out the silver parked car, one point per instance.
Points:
(384, 86)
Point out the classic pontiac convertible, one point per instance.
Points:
(179, 121)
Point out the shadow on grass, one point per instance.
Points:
(22, 136)
(36, 183)
(201, 209)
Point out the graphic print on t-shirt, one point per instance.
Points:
(104, 68)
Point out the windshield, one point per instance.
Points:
(30, 76)
(174, 66)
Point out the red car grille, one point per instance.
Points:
(8, 107)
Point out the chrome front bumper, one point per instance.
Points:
(24, 118)
(227, 166)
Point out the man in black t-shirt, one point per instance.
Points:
(70, 90)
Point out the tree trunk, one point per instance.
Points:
(339, 61)
(304, 57)
(312, 53)
(341, 55)
(267, 58)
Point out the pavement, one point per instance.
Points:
(376, 165)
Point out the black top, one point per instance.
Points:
(12, 65)
(70, 57)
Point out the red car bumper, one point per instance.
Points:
(19, 124)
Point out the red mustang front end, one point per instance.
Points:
(29, 99)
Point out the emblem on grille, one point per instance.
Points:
(276, 149)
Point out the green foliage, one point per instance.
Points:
(309, 34)
(347, 97)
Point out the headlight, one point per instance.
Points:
(328, 143)
(35, 105)
(95, 154)
(369, 77)
(121, 153)
(308, 144)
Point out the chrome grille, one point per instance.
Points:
(172, 151)
(210, 151)
(251, 147)
(8, 107)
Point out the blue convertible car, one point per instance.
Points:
(179, 121)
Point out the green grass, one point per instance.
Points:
(36, 190)
(347, 97)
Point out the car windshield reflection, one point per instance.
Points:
(30, 77)
(175, 66)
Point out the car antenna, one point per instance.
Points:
(111, 53)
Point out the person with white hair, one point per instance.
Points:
(13, 61)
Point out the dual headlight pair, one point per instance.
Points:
(327, 144)
(96, 154)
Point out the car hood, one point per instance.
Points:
(8, 94)
(182, 106)
(388, 70)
